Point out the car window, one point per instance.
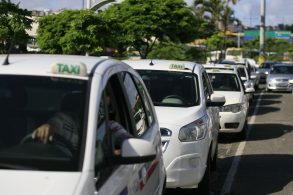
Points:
(143, 93)
(27, 103)
(113, 127)
(224, 82)
(241, 72)
(137, 105)
(206, 85)
(174, 89)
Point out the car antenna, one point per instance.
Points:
(6, 61)
(151, 63)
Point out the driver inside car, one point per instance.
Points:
(65, 125)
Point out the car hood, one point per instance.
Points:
(263, 70)
(281, 76)
(178, 115)
(232, 97)
(14, 182)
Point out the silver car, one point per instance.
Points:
(278, 78)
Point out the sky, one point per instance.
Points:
(248, 11)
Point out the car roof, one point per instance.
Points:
(227, 67)
(42, 64)
(218, 71)
(168, 65)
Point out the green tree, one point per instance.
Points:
(14, 22)
(71, 32)
(141, 24)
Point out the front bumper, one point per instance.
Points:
(280, 86)
(232, 122)
(185, 162)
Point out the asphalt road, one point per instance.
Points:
(263, 163)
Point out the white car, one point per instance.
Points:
(188, 116)
(279, 76)
(233, 115)
(35, 87)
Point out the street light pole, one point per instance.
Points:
(88, 4)
(262, 28)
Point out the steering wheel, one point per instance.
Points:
(57, 141)
(174, 97)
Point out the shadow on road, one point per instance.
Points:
(258, 132)
(260, 174)
(268, 131)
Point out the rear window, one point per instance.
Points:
(27, 102)
(170, 88)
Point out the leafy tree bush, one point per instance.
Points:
(14, 22)
(140, 24)
(172, 51)
(71, 32)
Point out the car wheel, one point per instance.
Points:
(204, 187)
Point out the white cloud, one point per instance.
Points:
(277, 11)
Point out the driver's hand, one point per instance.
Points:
(43, 133)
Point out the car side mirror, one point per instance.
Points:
(253, 76)
(249, 90)
(216, 100)
(134, 150)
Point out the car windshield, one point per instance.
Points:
(266, 65)
(28, 102)
(224, 82)
(282, 70)
(170, 88)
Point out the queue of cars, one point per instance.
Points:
(172, 110)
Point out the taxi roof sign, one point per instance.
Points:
(177, 66)
(65, 68)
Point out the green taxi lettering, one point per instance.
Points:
(177, 66)
(68, 69)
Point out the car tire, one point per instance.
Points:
(204, 187)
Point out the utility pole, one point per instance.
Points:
(262, 31)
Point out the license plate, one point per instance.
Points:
(282, 85)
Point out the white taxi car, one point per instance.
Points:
(93, 93)
(188, 115)
(233, 115)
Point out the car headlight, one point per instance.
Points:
(194, 131)
(232, 108)
(266, 72)
(271, 80)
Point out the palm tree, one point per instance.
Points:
(217, 11)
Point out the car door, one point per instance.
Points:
(150, 175)
(134, 112)
(213, 112)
